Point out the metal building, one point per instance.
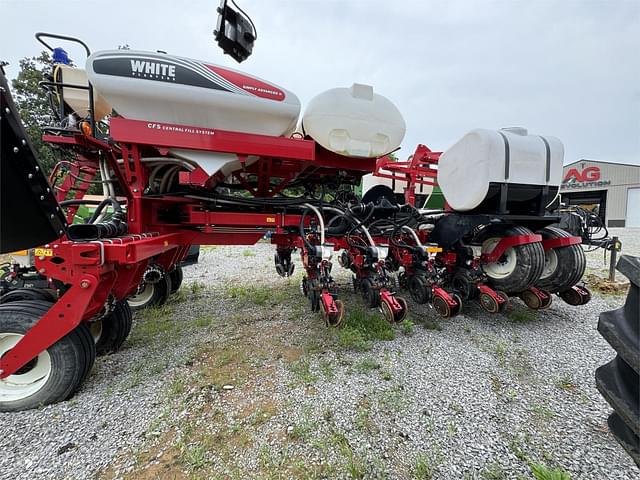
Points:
(610, 189)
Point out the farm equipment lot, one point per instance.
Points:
(475, 396)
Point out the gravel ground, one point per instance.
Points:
(476, 396)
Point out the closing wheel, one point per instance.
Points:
(531, 300)
(402, 314)
(576, 296)
(386, 311)
(504, 305)
(457, 310)
(333, 319)
(371, 295)
(304, 286)
(489, 303)
(519, 267)
(113, 330)
(177, 276)
(151, 294)
(441, 306)
(56, 373)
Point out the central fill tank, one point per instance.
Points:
(166, 88)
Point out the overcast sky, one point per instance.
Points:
(557, 67)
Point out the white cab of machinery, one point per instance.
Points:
(354, 121)
(489, 158)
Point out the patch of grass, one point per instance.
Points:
(452, 429)
(193, 456)
(326, 368)
(301, 370)
(542, 472)
(361, 327)
(202, 321)
(248, 253)
(176, 387)
(197, 287)
(542, 411)
(386, 376)
(363, 419)
(427, 465)
(494, 471)
(392, 399)
(522, 315)
(260, 295)
(566, 383)
(430, 324)
(408, 327)
(356, 465)
(366, 365)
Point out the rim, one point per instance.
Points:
(30, 378)
(550, 264)
(505, 266)
(142, 297)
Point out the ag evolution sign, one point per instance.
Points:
(585, 177)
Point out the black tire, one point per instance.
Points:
(525, 262)
(564, 266)
(158, 294)
(115, 329)
(70, 358)
(27, 294)
(176, 278)
(371, 295)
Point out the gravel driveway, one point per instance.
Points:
(234, 378)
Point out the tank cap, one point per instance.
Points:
(516, 130)
(359, 90)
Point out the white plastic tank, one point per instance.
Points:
(354, 121)
(484, 157)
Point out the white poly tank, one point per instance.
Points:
(354, 122)
(484, 157)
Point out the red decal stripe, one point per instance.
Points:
(248, 84)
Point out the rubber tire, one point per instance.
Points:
(177, 276)
(71, 357)
(27, 294)
(572, 263)
(371, 295)
(115, 329)
(161, 293)
(529, 263)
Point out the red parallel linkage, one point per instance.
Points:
(560, 242)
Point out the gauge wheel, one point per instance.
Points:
(151, 294)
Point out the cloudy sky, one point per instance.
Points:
(569, 68)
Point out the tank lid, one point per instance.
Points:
(516, 130)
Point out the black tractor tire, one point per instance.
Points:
(115, 329)
(522, 264)
(177, 276)
(564, 266)
(27, 294)
(151, 294)
(67, 362)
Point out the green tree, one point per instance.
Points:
(33, 105)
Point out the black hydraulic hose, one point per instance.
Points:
(69, 203)
(91, 230)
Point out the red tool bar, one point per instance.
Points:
(199, 138)
(560, 242)
(219, 219)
